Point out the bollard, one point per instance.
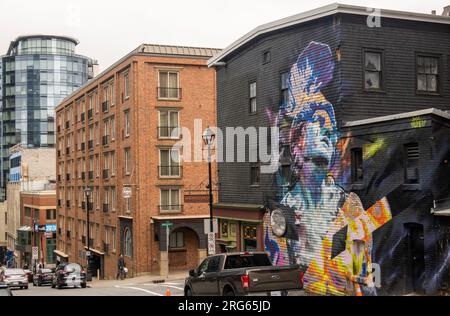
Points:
(168, 292)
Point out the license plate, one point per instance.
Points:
(275, 293)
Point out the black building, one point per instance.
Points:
(330, 205)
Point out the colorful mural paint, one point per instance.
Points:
(315, 222)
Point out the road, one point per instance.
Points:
(118, 288)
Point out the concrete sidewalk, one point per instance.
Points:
(181, 275)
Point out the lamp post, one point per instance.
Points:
(87, 193)
(208, 138)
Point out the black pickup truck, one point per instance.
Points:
(242, 274)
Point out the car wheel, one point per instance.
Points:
(26, 287)
(188, 292)
(229, 292)
(39, 283)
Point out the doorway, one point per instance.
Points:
(416, 256)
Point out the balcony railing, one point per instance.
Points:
(91, 144)
(91, 175)
(83, 117)
(105, 173)
(105, 140)
(105, 208)
(171, 208)
(170, 171)
(167, 131)
(169, 93)
(105, 106)
(90, 114)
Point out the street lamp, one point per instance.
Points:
(87, 193)
(208, 138)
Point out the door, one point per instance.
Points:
(416, 256)
(211, 284)
(198, 282)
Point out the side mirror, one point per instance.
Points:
(192, 273)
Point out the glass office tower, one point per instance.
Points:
(37, 73)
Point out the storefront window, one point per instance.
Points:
(249, 237)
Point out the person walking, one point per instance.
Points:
(120, 266)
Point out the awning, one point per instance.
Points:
(95, 250)
(445, 212)
(175, 217)
(60, 253)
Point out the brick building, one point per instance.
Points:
(118, 131)
(38, 226)
(360, 100)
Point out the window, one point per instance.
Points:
(427, 74)
(254, 174)
(112, 93)
(252, 94)
(113, 199)
(51, 215)
(176, 240)
(128, 205)
(113, 163)
(113, 239)
(170, 200)
(169, 163)
(224, 229)
(357, 165)
(267, 57)
(168, 122)
(284, 88)
(411, 163)
(112, 125)
(127, 161)
(127, 123)
(127, 243)
(168, 85)
(126, 86)
(372, 70)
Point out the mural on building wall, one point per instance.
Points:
(315, 222)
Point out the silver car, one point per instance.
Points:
(16, 278)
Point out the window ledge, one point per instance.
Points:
(411, 187)
(375, 91)
(428, 94)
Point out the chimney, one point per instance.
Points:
(446, 11)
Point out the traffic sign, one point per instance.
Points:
(211, 244)
(167, 224)
(88, 254)
(35, 252)
(207, 226)
(127, 192)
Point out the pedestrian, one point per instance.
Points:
(120, 266)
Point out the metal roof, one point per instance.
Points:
(317, 13)
(398, 117)
(155, 49)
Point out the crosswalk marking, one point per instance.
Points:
(138, 289)
(166, 285)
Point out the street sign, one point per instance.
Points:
(167, 224)
(50, 227)
(207, 226)
(211, 244)
(35, 252)
(126, 192)
(88, 254)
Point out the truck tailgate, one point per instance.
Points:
(266, 279)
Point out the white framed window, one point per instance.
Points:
(127, 205)
(127, 161)
(112, 125)
(168, 122)
(128, 243)
(113, 199)
(170, 200)
(127, 123)
(113, 239)
(169, 165)
(252, 97)
(113, 163)
(168, 85)
(126, 85)
(112, 93)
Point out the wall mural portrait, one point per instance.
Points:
(314, 222)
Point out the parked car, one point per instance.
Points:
(29, 275)
(69, 274)
(16, 278)
(241, 274)
(5, 290)
(43, 276)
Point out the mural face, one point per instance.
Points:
(315, 222)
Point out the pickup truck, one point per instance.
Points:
(242, 274)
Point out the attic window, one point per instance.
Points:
(266, 57)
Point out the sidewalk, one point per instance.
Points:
(180, 275)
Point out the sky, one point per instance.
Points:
(109, 29)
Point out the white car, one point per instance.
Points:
(16, 278)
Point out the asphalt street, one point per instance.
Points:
(119, 288)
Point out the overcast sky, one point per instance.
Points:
(109, 29)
